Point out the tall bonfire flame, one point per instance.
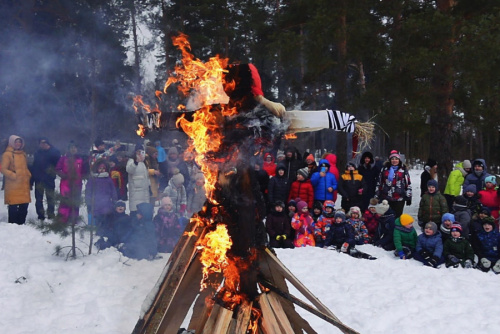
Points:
(202, 83)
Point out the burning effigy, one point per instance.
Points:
(221, 267)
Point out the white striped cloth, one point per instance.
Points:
(340, 121)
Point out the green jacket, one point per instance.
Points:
(404, 236)
(460, 247)
(455, 180)
(432, 207)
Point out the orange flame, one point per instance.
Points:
(214, 247)
(152, 115)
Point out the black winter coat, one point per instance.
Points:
(44, 166)
(340, 233)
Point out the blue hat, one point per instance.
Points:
(491, 179)
(432, 183)
(448, 216)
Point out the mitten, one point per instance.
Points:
(283, 236)
(496, 267)
(360, 191)
(401, 254)
(277, 109)
(433, 261)
(453, 259)
(468, 264)
(408, 201)
(485, 263)
(278, 237)
(344, 247)
(425, 254)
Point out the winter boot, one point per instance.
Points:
(484, 264)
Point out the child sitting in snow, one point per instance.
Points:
(340, 236)
(167, 226)
(360, 231)
(446, 222)
(302, 223)
(457, 250)
(371, 219)
(488, 247)
(278, 227)
(387, 218)
(405, 237)
(140, 243)
(324, 223)
(429, 248)
(117, 229)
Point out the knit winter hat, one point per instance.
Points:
(166, 200)
(120, 204)
(456, 228)
(301, 205)
(173, 150)
(350, 164)
(432, 183)
(354, 210)
(382, 207)
(199, 176)
(139, 147)
(448, 216)
(328, 204)
(406, 220)
(432, 226)
(491, 179)
(280, 154)
(394, 154)
(485, 211)
(318, 205)
(477, 163)
(470, 188)
(373, 203)
(304, 172)
(292, 203)
(310, 157)
(460, 201)
(340, 214)
(489, 220)
(178, 179)
(466, 164)
(279, 203)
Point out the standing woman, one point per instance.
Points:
(17, 180)
(394, 184)
(71, 168)
(138, 180)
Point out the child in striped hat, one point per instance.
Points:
(457, 250)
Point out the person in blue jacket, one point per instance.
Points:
(323, 182)
(141, 242)
(488, 247)
(429, 248)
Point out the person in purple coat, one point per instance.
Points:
(100, 195)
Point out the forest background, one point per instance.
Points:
(426, 72)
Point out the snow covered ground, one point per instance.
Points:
(104, 292)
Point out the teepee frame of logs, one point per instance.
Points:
(178, 290)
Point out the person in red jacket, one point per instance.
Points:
(302, 188)
(490, 198)
(269, 165)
